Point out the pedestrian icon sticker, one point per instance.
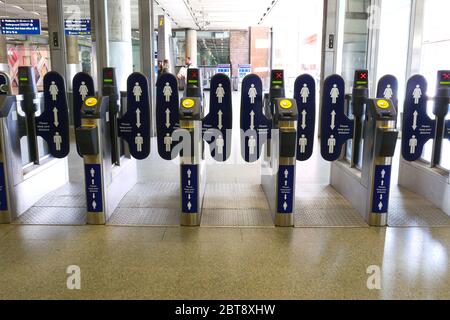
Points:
(167, 92)
(220, 93)
(417, 94)
(57, 139)
(54, 91)
(388, 92)
(304, 93)
(83, 90)
(334, 94)
(303, 143)
(252, 94)
(137, 92)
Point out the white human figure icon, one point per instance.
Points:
(83, 91)
(220, 143)
(167, 91)
(54, 91)
(57, 139)
(388, 92)
(413, 144)
(139, 140)
(331, 144)
(252, 93)
(303, 142)
(334, 94)
(417, 94)
(220, 93)
(252, 145)
(168, 142)
(137, 92)
(304, 93)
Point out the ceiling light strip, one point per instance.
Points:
(191, 12)
(165, 12)
(269, 9)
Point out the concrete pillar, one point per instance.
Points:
(73, 59)
(3, 55)
(120, 45)
(191, 45)
(164, 36)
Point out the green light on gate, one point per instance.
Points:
(361, 82)
(445, 82)
(23, 79)
(277, 82)
(193, 81)
(107, 80)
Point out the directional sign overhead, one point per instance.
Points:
(418, 127)
(134, 126)
(77, 27)
(256, 128)
(388, 89)
(218, 124)
(337, 128)
(167, 115)
(20, 26)
(305, 95)
(53, 124)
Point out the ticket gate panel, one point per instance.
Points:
(256, 128)
(305, 96)
(134, 125)
(336, 127)
(83, 87)
(167, 115)
(440, 110)
(418, 127)
(53, 123)
(217, 125)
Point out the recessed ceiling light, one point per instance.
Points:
(17, 7)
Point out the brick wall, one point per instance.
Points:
(239, 49)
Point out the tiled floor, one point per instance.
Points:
(223, 263)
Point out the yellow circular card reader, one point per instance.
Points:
(383, 104)
(286, 104)
(188, 103)
(91, 102)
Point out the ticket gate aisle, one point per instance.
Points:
(34, 141)
(429, 180)
(362, 176)
(110, 137)
(182, 129)
(280, 132)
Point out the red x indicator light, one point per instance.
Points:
(363, 75)
(279, 75)
(446, 76)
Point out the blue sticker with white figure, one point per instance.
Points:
(286, 189)
(134, 125)
(381, 190)
(217, 125)
(3, 189)
(53, 124)
(305, 95)
(255, 127)
(337, 128)
(167, 114)
(418, 128)
(93, 182)
(189, 189)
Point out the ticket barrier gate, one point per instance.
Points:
(367, 185)
(182, 129)
(104, 125)
(279, 132)
(426, 179)
(31, 168)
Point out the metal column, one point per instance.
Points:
(146, 39)
(99, 21)
(57, 40)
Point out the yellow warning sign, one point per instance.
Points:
(91, 102)
(383, 104)
(188, 103)
(286, 104)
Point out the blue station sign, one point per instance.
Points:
(77, 27)
(20, 26)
